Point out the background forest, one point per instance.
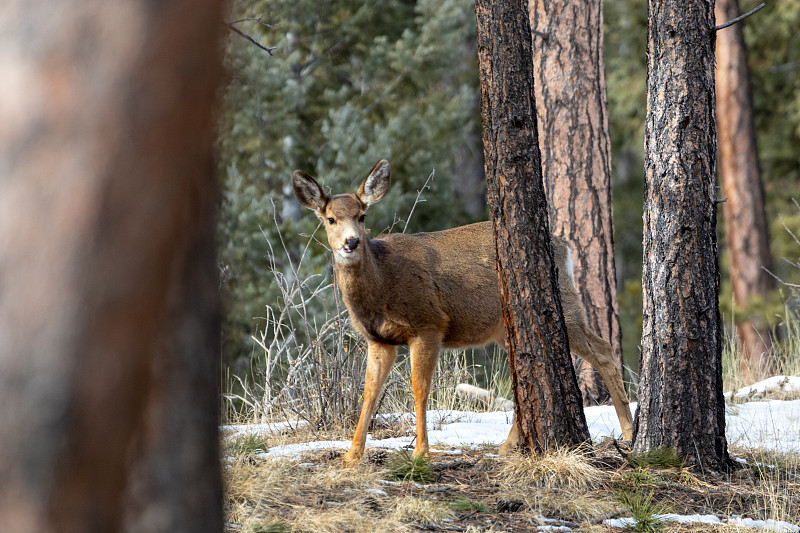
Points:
(349, 83)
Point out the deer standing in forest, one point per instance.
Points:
(431, 291)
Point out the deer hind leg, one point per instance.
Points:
(597, 352)
(512, 440)
(380, 358)
(424, 352)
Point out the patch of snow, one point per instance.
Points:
(769, 525)
(785, 383)
(772, 424)
(377, 492)
(260, 429)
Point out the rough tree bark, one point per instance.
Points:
(572, 107)
(109, 327)
(680, 390)
(549, 410)
(746, 228)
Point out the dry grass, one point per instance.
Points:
(314, 493)
(570, 469)
(420, 510)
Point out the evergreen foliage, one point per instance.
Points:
(349, 83)
(352, 82)
(774, 61)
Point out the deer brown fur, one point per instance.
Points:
(431, 291)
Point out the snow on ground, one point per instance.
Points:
(768, 525)
(784, 383)
(768, 424)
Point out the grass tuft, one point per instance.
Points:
(405, 467)
(464, 504)
(269, 526)
(639, 477)
(656, 458)
(419, 510)
(247, 444)
(564, 468)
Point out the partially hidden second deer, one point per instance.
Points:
(431, 291)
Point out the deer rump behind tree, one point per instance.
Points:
(431, 291)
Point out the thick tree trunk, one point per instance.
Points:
(108, 288)
(680, 389)
(572, 106)
(549, 410)
(746, 228)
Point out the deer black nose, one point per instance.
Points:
(351, 243)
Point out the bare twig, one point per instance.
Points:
(260, 20)
(782, 282)
(741, 17)
(418, 200)
(243, 35)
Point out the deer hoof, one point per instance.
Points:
(352, 458)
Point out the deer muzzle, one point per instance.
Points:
(351, 244)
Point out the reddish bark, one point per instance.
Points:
(548, 402)
(572, 106)
(746, 228)
(108, 301)
(680, 389)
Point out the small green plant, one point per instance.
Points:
(656, 458)
(405, 467)
(645, 512)
(269, 527)
(464, 504)
(248, 444)
(684, 476)
(640, 477)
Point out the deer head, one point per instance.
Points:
(343, 214)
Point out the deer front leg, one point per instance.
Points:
(380, 358)
(424, 354)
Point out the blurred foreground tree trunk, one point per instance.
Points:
(109, 326)
(572, 107)
(549, 410)
(746, 228)
(680, 389)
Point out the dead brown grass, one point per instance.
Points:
(315, 493)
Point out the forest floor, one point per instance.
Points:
(294, 480)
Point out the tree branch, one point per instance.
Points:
(741, 17)
(247, 37)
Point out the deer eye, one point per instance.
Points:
(362, 218)
(331, 221)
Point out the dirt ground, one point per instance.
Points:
(476, 490)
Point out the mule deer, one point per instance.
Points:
(431, 291)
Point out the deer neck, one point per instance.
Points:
(360, 282)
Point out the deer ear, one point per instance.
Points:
(308, 191)
(375, 185)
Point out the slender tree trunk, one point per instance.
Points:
(572, 106)
(548, 403)
(680, 390)
(746, 225)
(109, 327)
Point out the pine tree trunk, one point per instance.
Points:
(680, 390)
(109, 326)
(549, 410)
(746, 228)
(576, 160)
